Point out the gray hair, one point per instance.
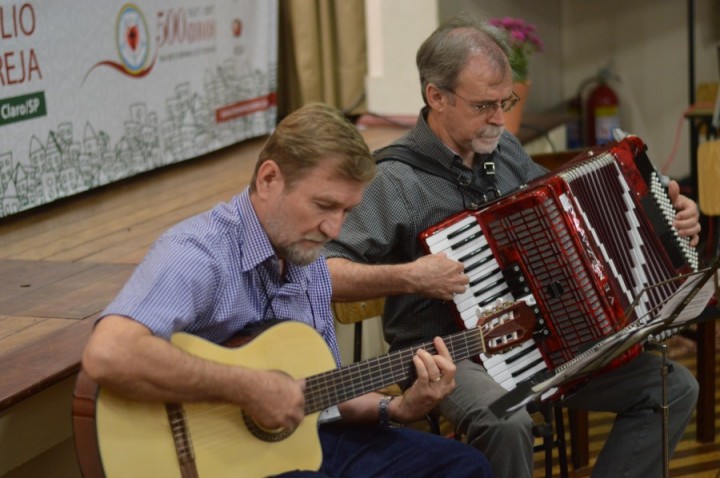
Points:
(444, 53)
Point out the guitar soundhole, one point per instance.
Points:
(265, 435)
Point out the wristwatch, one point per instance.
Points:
(384, 412)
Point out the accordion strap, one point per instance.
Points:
(396, 152)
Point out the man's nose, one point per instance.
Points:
(497, 117)
(331, 226)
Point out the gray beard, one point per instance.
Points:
(483, 148)
(299, 257)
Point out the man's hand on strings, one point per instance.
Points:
(435, 380)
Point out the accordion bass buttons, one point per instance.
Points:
(515, 280)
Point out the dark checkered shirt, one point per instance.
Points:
(403, 201)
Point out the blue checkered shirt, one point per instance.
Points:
(214, 274)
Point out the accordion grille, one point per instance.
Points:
(540, 237)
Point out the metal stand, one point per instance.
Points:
(664, 407)
(665, 369)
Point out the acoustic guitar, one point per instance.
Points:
(157, 440)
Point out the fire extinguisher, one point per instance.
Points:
(602, 111)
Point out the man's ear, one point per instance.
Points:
(435, 97)
(269, 178)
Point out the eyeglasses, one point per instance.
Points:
(489, 109)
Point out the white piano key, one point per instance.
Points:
(492, 360)
(464, 249)
(489, 293)
(486, 257)
(538, 367)
(446, 245)
(471, 290)
(471, 322)
(508, 384)
(502, 374)
(440, 235)
(439, 241)
(467, 314)
(525, 361)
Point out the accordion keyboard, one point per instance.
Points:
(465, 242)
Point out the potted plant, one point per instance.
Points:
(523, 41)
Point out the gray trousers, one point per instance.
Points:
(633, 392)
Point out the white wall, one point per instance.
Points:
(395, 30)
(645, 39)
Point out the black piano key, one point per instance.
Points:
(467, 240)
(483, 277)
(474, 253)
(490, 285)
(490, 299)
(479, 263)
(461, 230)
(521, 354)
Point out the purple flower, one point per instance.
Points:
(523, 42)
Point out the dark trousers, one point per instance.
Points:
(363, 452)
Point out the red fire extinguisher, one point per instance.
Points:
(602, 112)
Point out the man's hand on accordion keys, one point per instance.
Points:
(438, 277)
(687, 219)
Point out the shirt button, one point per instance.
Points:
(463, 181)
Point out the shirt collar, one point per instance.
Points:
(256, 243)
(431, 144)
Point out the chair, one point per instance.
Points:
(550, 428)
(355, 313)
(84, 426)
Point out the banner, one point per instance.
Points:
(93, 91)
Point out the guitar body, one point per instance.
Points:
(135, 438)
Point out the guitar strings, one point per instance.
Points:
(214, 423)
(322, 390)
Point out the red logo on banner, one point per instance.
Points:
(133, 37)
(245, 107)
(133, 44)
(237, 27)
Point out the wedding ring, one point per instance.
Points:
(436, 379)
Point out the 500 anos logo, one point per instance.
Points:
(131, 34)
(132, 38)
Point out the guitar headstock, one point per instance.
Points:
(506, 326)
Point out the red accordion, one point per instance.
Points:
(581, 244)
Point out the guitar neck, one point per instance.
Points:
(350, 381)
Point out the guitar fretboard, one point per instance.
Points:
(352, 380)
